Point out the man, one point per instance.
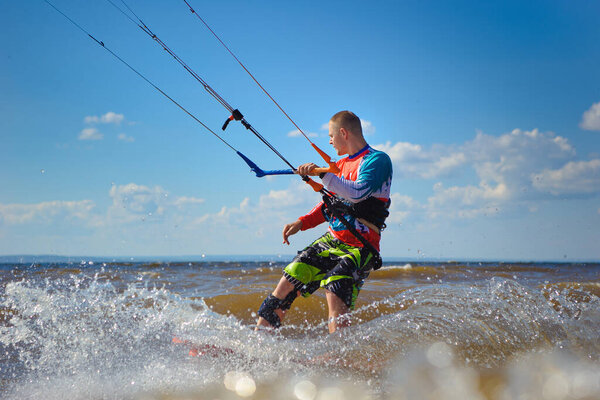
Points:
(338, 261)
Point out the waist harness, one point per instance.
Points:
(372, 210)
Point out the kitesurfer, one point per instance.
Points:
(337, 261)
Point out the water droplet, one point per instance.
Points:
(556, 387)
(305, 390)
(230, 379)
(332, 393)
(440, 355)
(245, 386)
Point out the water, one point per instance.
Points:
(419, 331)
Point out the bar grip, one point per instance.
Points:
(333, 169)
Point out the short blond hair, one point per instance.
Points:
(347, 120)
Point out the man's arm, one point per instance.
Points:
(313, 218)
(374, 173)
(291, 229)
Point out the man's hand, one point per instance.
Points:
(291, 229)
(306, 169)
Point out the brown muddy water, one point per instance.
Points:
(427, 330)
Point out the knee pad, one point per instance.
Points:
(272, 303)
(286, 303)
(267, 310)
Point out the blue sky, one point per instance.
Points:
(490, 112)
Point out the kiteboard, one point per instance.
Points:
(206, 350)
(215, 351)
(202, 350)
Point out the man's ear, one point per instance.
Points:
(344, 133)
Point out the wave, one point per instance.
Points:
(108, 335)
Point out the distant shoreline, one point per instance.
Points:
(45, 258)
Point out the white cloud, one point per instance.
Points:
(466, 201)
(269, 213)
(511, 158)
(367, 127)
(123, 137)
(108, 118)
(90, 134)
(46, 212)
(404, 202)
(591, 118)
(296, 133)
(504, 166)
(292, 197)
(413, 161)
(112, 118)
(401, 208)
(132, 202)
(184, 201)
(576, 177)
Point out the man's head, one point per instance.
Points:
(345, 133)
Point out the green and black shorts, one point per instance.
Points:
(332, 264)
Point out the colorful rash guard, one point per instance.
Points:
(362, 175)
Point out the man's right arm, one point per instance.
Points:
(313, 218)
(291, 229)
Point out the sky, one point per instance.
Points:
(490, 112)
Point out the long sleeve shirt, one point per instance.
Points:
(367, 173)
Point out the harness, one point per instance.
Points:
(371, 209)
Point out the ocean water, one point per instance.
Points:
(426, 330)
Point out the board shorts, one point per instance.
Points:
(332, 264)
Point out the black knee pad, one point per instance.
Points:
(267, 310)
(289, 299)
(272, 303)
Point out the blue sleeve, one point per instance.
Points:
(375, 172)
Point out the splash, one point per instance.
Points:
(101, 333)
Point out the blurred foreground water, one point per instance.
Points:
(420, 331)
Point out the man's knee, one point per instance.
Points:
(344, 292)
(335, 303)
(272, 303)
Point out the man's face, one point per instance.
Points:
(336, 139)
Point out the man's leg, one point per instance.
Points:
(337, 308)
(300, 277)
(283, 289)
(343, 283)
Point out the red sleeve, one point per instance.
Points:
(313, 218)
